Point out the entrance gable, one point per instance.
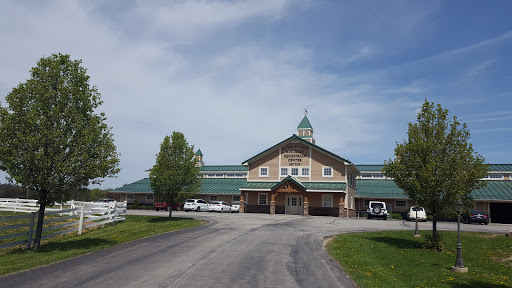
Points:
(289, 185)
(299, 158)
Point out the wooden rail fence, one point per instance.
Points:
(68, 217)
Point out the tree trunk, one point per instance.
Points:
(170, 210)
(40, 221)
(434, 227)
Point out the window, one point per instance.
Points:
(400, 203)
(262, 199)
(149, 197)
(366, 202)
(295, 171)
(305, 171)
(368, 175)
(129, 196)
(235, 175)
(263, 171)
(236, 198)
(211, 175)
(284, 171)
(327, 200)
(326, 171)
(496, 176)
(213, 198)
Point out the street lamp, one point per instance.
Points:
(459, 263)
(416, 232)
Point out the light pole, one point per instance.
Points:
(416, 232)
(459, 263)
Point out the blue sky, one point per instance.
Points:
(236, 76)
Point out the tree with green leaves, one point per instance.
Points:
(174, 177)
(436, 165)
(52, 140)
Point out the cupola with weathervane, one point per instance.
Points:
(305, 130)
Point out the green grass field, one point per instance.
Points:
(397, 259)
(72, 245)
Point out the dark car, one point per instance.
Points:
(475, 216)
(165, 206)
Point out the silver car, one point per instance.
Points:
(235, 207)
(197, 205)
(219, 206)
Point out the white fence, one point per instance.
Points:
(68, 217)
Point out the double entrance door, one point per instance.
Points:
(293, 205)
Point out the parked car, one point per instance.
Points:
(165, 206)
(235, 207)
(413, 211)
(219, 206)
(195, 205)
(377, 209)
(475, 216)
(105, 200)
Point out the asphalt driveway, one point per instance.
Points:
(234, 250)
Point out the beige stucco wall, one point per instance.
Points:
(271, 161)
(315, 199)
(297, 155)
(253, 197)
(319, 160)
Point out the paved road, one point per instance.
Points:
(234, 250)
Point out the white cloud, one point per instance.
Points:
(231, 101)
(478, 69)
(189, 20)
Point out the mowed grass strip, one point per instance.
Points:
(397, 259)
(72, 245)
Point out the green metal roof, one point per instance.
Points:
(221, 185)
(295, 137)
(304, 124)
(208, 186)
(289, 178)
(371, 168)
(199, 153)
(141, 186)
(224, 168)
(378, 189)
(379, 167)
(500, 167)
(258, 185)
(494, 190)
(327, 186)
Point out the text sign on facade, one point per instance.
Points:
(295, 155)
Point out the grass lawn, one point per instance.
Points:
(72, 245)
(397, 259)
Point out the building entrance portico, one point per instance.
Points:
(294, 205)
